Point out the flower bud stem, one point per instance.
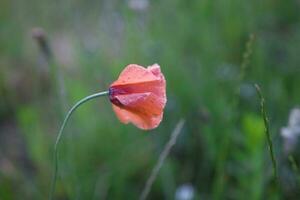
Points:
(90, 97)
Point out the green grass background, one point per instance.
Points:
(222, 149)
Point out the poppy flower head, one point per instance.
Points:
(139, 96)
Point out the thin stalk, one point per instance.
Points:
(161, 159)
(267, 131)
(295, 167)
(246, 57)
(55, 72)
(90, 97)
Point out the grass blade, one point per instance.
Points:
(161, 159)
(267, 131)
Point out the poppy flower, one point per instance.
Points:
(138, 96)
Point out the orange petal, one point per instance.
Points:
(139, 96)
(134, 74)
(140, 120)
(143, 102)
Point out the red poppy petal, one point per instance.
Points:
(147, 106)
(155, 69)
(138, 119)
(146, 102)
(134, 74)
(139, 96)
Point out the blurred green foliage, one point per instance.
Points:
(222, 150)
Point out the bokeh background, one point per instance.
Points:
(211, 52)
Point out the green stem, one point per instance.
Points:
(267, 131)
(295, 167)
(93, 96)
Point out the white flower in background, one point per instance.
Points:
(138, 5)
(294, 120)
(185, 192)
(292, 131)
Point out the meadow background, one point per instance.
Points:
(211, 52)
